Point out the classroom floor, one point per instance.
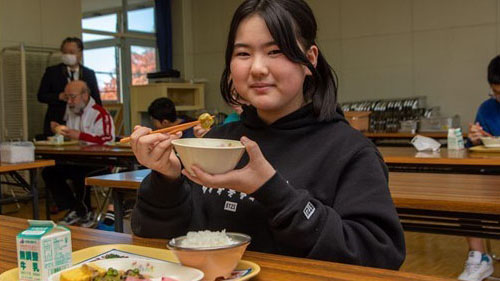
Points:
(429, 254)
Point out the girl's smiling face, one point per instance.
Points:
(264, 76)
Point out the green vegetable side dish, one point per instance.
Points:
(120, 275)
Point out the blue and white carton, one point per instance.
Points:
(455, 139)
(43, 249)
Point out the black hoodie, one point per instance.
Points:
(328, 200)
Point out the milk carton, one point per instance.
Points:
(42, 249)
(455, 139)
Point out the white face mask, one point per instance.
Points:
(69, 59)
(422, 143)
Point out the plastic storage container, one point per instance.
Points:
(408, 126)
(439, 124)
(17, 152)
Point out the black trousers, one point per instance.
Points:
(65, 197)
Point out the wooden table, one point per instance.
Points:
(457, 204)
(404, 139)
(120, 183)
(273, 267)
(89, 154)
(436, 135)
(408, 159)
(429, 202)
(12, 170)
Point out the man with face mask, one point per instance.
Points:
(85, 121)
(56, 77)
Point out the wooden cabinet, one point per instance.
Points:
(186, 96)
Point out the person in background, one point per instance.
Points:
(479, 264)
(56, 77)
(88, 122)
(309, 184)
(235, 115)
(163, 115)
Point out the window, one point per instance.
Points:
(103, 61)
(142, 20)
(143, 60)
(101, 23)
(89, 37)
(119, 55)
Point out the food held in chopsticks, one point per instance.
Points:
(208, 120)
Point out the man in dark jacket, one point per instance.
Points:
(56, 77)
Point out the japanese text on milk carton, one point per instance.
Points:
(43, 249)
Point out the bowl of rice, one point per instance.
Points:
(214, 156)
(216, 253)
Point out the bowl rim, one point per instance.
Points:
(178, 142)
(247, 240)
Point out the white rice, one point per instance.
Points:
(206, 238)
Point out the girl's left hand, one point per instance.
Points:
(199, 132)
(247, 179)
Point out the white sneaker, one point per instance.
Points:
(477, 267)
(87, 220)
(69, 219)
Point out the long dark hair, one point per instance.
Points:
(289, 22)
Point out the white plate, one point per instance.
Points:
(155, 269)
(492, 145)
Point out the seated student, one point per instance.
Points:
(163, 115)
(88, 122)
(479, 264)
(308, 186)
(235, 115)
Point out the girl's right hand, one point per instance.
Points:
(476, 132)
(155, 151)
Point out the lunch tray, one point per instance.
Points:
(482, 148)
(161, 254)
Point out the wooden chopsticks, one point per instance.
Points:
(170, 130)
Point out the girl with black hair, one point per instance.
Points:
(309, 185)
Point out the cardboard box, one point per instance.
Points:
(43, 249)
(359, 120)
